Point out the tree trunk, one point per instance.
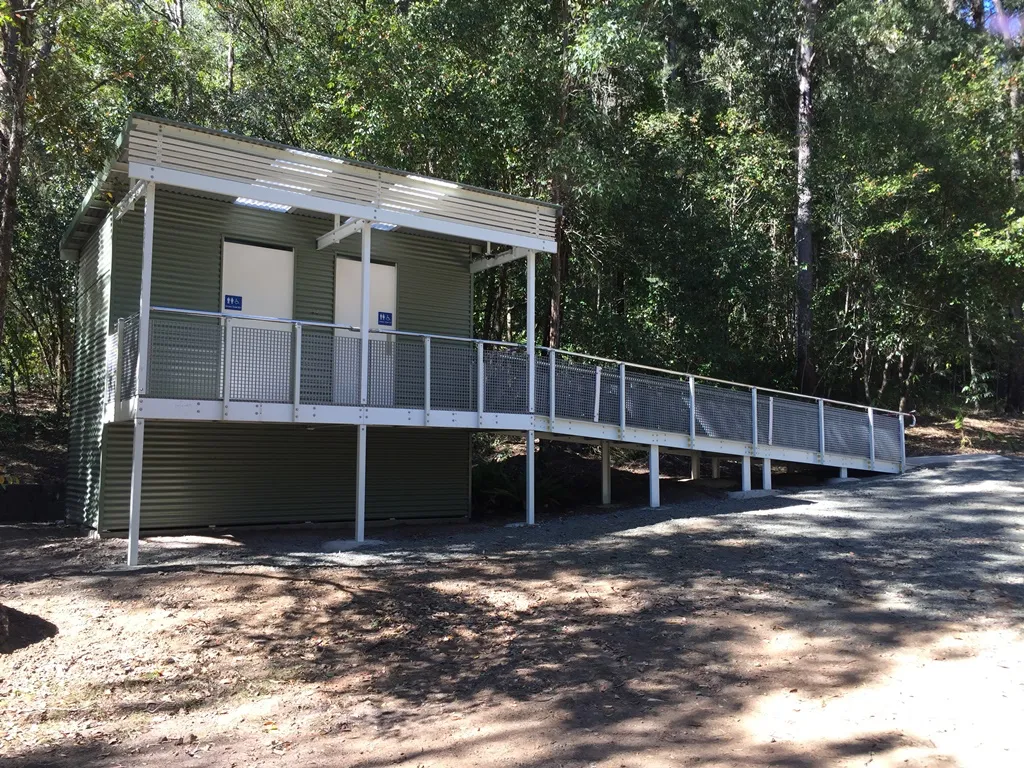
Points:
(807, 379)
(26, 44)
(1015, 380)
(560, 183)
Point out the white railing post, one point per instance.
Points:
(296, 371)
(145, 292)
(821, 429)
(622, 400)
(693, 412)
(753, 415)
(481, 394)
(871, 437)
(118, 363)
(226, 378)
(552, 369)
(426, 379)
(597, 393)
(771, 420)
(531, 329)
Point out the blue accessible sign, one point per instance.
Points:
(385, 318)
(233, 302)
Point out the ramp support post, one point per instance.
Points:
(766, 474)
(655, 476)
(844, 473)
(716, 469)
(531, 456)
(361, 483)
(745, 473)
(606, 473)
(695, 465)
(135, 499)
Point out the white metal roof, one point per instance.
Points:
(220, 163)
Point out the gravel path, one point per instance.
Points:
(875, 622)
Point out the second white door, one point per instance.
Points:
(383, 316)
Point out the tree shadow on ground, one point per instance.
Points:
(20, 630)
(637, 633)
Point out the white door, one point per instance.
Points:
(383, 316)
(257, 280)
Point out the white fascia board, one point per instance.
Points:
(564, 429)
(229, 188)
(513, 254)
(338, 234)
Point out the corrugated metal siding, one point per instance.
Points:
(433, 275)
(201, 473)
(87, 383)
(197, 474)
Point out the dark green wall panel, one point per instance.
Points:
(214, 473)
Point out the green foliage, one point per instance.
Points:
(666, 131)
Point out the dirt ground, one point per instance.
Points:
(874, 623)
(977, 433)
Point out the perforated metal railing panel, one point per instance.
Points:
(506, 388)
(261, 364)
(723, 413)
(846, 431)
(656, 402)
(187, 362)
(185, 359)
(609, 411)
(409, 385)
(575, 384)
(452, 375)
(887, 437)
(130, 356)
(795, 423)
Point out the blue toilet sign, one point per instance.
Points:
(385, 318)
(233, 302)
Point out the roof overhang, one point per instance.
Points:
(239, 167)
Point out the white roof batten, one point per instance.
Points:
(512, 254)
(127, 202)
(240, 167)
(338, 234)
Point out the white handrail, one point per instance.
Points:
(682, 375)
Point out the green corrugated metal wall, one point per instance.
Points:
(216, 473)
(433, 275)
(88, 383)
(227, 473)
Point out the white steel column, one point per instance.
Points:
(655, 476)
(766, 474)
(844, 473)
(361, 483)
(606, 473)
(531, 456)
(364, 382)
(745, 473)
(141, 374)
(145, 291)
(531, 327)
(135, 503)
(364, 319)
(716, 469)
(695, 465)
